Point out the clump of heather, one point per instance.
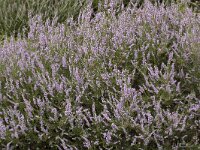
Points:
(126, 78)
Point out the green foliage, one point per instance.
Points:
(14, 13)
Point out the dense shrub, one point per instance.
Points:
(125, 81)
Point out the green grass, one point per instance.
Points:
(14, 13)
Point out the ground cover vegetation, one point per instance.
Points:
(14, 13)
(111, 75)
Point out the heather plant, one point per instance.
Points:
(14, 13)
(125, 81)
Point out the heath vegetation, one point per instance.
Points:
(121, 76)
